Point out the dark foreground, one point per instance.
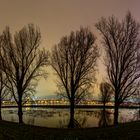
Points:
(14, 131)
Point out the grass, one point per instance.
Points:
(14, 131)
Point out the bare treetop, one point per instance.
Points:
(74, 60)
(22, 61)
(121, 41)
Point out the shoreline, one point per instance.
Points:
(77, 106)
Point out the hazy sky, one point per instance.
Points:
(57, 18)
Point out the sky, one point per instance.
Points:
(57, 18)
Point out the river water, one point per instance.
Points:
(59, 118)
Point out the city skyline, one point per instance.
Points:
(58, 18)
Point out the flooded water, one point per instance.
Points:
(59, 118)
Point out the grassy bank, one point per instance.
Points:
(14, 131)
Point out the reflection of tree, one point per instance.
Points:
(105, 118)
(31, 120)
(136, 115)
(95, 113)
(13, 119)
(78, 121)
(42, 113)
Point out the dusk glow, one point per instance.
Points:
(57, 18)
(69, 69)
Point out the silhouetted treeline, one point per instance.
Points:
(74, 59)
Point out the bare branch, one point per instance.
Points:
(74, 61)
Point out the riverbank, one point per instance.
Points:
(14, 131)
(76, 106)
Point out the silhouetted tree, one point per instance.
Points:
(121, 43)
(22, 62)
(73, 60)
(106, 92)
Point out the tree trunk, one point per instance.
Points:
(20, 113)
(71, 122)
(103, 104)
(139, 110)
(0, 107)
(116, 113)
(104, 117)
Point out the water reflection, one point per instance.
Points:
(105, 118)
(136, 115)
(79, 122)
(128, 115)
(60, 118)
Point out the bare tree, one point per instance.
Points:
(106, 92)
(121, 43)
(73, 60)
(22, 62)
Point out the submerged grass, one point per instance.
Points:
(14, 131)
